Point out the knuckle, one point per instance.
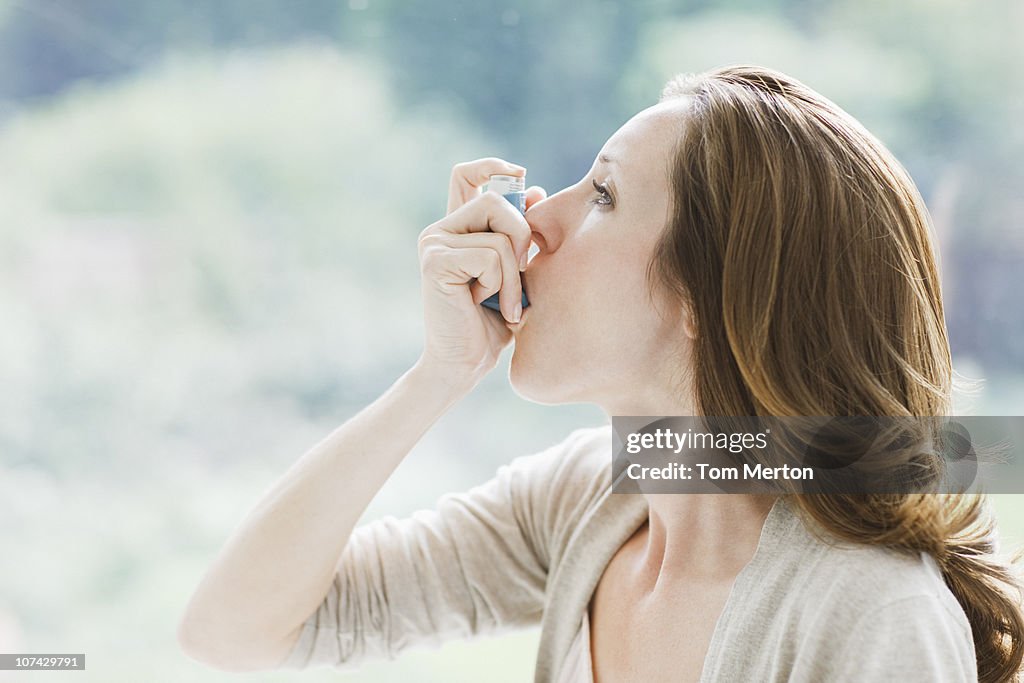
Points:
(503, 244)
(427, 231)
(494, 261)
(493, 201)
(431, 257)
(428, 239)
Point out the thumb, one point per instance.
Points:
(534, 194)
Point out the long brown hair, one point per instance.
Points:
(802, 248)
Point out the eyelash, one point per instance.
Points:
(603, 193)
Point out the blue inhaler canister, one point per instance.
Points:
(511, 188)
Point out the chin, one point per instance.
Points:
(534, 382)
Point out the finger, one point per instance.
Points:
(534, 194)
(451, 262)
(510, 287)
(485, 240)
(487, 212)
(469, 176)
(492, 276)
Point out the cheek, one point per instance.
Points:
(595, 304)
(616, 284)
(611, 268)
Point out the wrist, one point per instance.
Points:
(438, 381)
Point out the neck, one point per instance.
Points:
(702, 536)
(705, 536)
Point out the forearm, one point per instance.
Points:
(278, 565)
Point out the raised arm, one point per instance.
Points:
(275, 569)
(477, 563)
(278, 566)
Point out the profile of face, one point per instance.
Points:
(595, 331)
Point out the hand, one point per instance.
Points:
(478, 249)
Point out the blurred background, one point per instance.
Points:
(208, 222)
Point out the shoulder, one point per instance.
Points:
(862, 606)
(890, 616)
(862, 579)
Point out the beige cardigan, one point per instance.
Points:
(528, 547)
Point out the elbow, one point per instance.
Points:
(222, 648)
(200, 644)
(192, 643)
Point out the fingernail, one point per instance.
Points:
(523, 260)
(517, 313)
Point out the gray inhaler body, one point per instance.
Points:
(511, 188)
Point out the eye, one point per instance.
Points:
(604, 197)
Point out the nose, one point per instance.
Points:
(550, 220)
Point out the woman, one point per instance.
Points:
(744, 247)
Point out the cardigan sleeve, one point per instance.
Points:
(476, 563)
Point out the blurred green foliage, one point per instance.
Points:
(208, 214)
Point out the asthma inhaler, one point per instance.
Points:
(511, 188)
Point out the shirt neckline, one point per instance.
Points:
(778, 526)
(777, 536)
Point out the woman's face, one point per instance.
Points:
(592, 332)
